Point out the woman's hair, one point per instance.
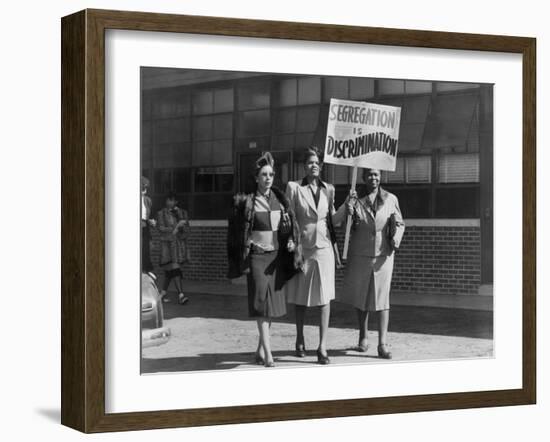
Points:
(265, 160)
(311, 151)
(170, 196)
(366, 171)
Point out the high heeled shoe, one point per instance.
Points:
(258, 359)
(322, 359)
(269, 364)
(300, 351)
(383, 352)
(361, 348)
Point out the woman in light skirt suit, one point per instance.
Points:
(377, 231)
(312, 201)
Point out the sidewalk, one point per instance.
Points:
(213, 331)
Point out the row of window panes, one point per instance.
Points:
(250, 124)
(290, 92)
(304, 119)
(420, 202)
(179, 180)
(453, 168)
(463, 168)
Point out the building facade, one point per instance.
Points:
(203, 130)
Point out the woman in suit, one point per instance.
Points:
(377, 231)
(312, 200)
(261, 244)
(173, 224)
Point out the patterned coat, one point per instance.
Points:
(240, 225)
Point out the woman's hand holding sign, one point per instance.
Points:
(350, 202)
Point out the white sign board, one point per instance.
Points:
(362, 134)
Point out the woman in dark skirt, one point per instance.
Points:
(261, 244)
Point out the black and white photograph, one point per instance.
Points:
(292, 220)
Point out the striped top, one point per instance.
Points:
(267, 215)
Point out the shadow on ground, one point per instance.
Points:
(403, 319)
(226, 361)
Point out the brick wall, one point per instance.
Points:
(208, 253)
(436, 256)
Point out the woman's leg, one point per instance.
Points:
(383, 322)
(182, 299)
(300, 318)
(176, 274)
(323, 328)
(363, 325)
(166, 284)
(263, 328)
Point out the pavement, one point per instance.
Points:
(213, 332)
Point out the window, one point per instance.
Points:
(212, 137)
(162, 181)
(169, 105)
(397, 176)
(223, 100)
(288, 92)
(418, 87)
(214, 179)
(450, 121)
(254, 95)
(309, 90)
(445, 87)
(410, 169)
(181, 180)
(254, 123)
(336, 87)
(361, 88)
(419, 169)
(203, 102)
(457, 202)
(391, 87)
(459, 168)
(212, 101)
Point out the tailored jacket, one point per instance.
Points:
(240, 226)
(314, 221)
(371, 231)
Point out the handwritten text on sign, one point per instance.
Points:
(362, 134)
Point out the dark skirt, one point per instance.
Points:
(265, 295)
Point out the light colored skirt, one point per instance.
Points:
(313, 286)
(367, 282)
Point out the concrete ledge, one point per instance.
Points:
(432, 222)
(463, 302)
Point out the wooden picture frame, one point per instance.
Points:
(83, 217)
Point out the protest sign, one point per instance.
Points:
(362, 134)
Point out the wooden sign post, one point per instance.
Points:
(348, 224)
